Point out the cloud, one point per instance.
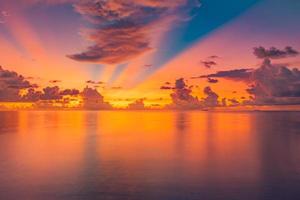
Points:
(234, 102)
(275, 84)
(123, 30)
(70, 92)
(32, 96)
(51, 93)
(212, 98)
(213, 57)
(93, 100)
(137, 105)
(182, 97)
(94, 82)
(209, 64)
(274, 53)
(166, 88)
(11, 84)
(55, 81)
(236, 74)
(212, 80)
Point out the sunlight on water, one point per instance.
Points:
(149, 155)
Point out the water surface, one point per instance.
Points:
(120, 155)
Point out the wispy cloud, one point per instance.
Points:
(235, 74)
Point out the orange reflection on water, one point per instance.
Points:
(135, 153)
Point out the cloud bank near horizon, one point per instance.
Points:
(269, 84)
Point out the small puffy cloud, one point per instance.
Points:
(213, 57)
(274, 53)
(123, 30)
(55, 81)
(236, 74)
(212, 80)
(94, 82)
(209, 64)
(90, 82)
(166, 87)
(233, 102)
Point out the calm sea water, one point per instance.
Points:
(149, 155)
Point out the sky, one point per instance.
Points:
(137, 53)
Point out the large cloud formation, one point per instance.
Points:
(182, 97)
(270, 84)
(275, 84)
(11, 83)
(93, 100)
(212, 98)
(123, 29)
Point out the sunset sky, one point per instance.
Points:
(150, 51)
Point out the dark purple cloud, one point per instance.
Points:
(213, 57)
(236, 74)
(274, 53)
(70, 92)
(11, 83)
(212, 80)
(182, 97)
(51, 93)
(166, 88)
(55, 81)
(123, 30)
(211, 99)
(209, 64)
(137, 105)
(94, 82)
(93, 100)
(275, 84)
(32, 96)
(233, 102)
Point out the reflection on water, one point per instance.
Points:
(150, 155)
